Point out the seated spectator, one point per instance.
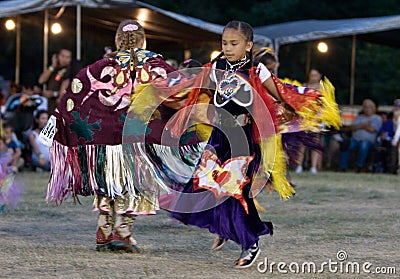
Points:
(40, 151)
(383, 153)
(364, 133)
(14, 148)
(20, 108)
(396, 137)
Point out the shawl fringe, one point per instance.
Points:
(274, 165)
(316, 107)
(81, 171)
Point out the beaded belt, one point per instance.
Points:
(234, 120)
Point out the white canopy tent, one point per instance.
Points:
(9, 8)
(308, 30)
(382, 30)
(163, 26)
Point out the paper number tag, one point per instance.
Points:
(47, 134)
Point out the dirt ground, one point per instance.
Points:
(350, 219)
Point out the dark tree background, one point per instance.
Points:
(377, 66)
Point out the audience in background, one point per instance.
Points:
(14, 148)
(56, 77)
(364, 132)
(40, 152)
(396, 137)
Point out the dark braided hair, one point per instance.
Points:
(246, 30)
(131, 37)
(130, 34)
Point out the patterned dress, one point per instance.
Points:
(230, 213)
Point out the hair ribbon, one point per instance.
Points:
(130, 27)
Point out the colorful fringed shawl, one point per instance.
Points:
(308, 110)
(307, 106)
(273, 158)
(87, 155)
(313, 107)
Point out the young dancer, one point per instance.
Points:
(233, 216)
(87, 154)
(244, 145)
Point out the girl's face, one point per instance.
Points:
(234, 45)
(314, 76)
(42, 120)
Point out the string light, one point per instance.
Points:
(322, 47)
(10, 24)
(56, 28)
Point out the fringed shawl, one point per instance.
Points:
(87, 156)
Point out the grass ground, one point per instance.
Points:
(332, 213)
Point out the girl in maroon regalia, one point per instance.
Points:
(87, 154)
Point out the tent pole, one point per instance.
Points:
(18, 51)
(276, 50)
(45, 42)
(78, 32)
(308, 58)
(352, 69)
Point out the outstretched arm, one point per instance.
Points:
(271, 87)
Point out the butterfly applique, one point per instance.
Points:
(223, 180)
